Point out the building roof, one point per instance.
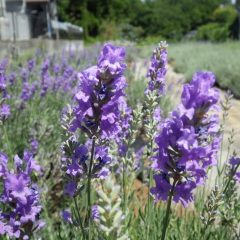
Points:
(66, 26)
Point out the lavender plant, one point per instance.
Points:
(107, 214)
(20, 201)
(187, 144)
(97, 114)
(112, 154)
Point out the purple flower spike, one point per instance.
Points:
(20, 198)
(235, 162)
(158, 69)
(95, 213)
(100, 95)
(188, 142)
(31, 64)
(5, 111)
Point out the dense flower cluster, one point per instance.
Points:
(19, 215)
(100, 95)
(76, 167)
(158, 68)
(188, 142)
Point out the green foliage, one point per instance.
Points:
(111, 217)
(134, 19)
(213, 32)
(225, 15)
(220, 29)
(109, 30)
(130, 32)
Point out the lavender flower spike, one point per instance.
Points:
(188, 142)
(99, 96)
(235, 163)
(20, 198)
(158, 68)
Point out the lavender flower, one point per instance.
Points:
(45, 78)
(20, 197)
(158, 68)
(3, 83)
(125, 121)
(99, 97)
(188, 142)
(34, 145)
(67, 217)
(5, 111)
(24, 75)
(28, 91)
(31, 64)
(97, 114)
(12, 78)
(95, 213)
(156, 85)
(76, 167)
(56, 69)
(3, 65)
(235, 163)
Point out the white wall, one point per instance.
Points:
(21, 25)
(5, 29)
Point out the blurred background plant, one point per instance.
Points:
(135, 20)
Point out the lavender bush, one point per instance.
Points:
(81, 159)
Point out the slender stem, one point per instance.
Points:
(89, 187)
(148, 201)
(79, 218)
(166, 218)
(124, 187)
(219, 163)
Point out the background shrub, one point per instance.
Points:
(213, 32)
(221, 28)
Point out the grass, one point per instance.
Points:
(223, 59)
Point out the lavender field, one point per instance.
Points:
(109, 143)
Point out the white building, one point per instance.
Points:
(26, 19)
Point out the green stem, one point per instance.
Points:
(79, 218)
(150, 173)
(124, 188)
(89, 187)
(148, 201)
(166, 218)
(219, 161)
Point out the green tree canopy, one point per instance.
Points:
(169, 18)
